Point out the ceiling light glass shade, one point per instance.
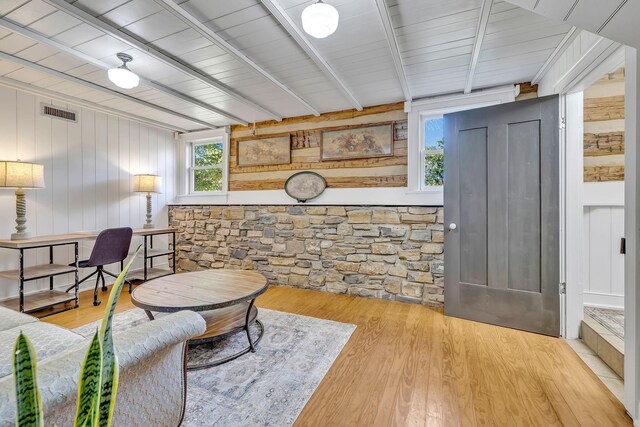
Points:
(123, 77)
(320, 20)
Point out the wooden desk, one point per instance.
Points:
(48, 298)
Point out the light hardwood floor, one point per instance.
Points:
(410, 365)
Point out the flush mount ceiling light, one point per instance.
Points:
(122, 76)
(320, 20)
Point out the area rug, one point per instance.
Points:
(612, 320)
(267, 388)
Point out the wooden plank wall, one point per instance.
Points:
(305, 152)
(604, 129)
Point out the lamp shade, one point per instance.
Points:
(21, 174)
(145, 183)
(320, 20)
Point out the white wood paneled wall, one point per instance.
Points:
(603, 265)
(88, 175)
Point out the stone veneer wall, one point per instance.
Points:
(393, 253)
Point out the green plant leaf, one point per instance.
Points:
(89, 385)
(109, 388)
(29, 405)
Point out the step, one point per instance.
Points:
(602, 342)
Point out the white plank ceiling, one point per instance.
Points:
(614, 19)
(259, 71)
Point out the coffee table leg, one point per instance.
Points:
(246, 327)
(149, 315)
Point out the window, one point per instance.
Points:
(432, 152)
(207, 167)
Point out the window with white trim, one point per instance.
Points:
(432, 152)
(207, 171)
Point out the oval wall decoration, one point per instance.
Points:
(305, 185)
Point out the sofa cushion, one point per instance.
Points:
(47, 340)
(10, 319)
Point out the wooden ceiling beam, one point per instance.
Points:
(100, 64)
(148, 49)
(290, 27)
(96, 87)
(393, 46)
(485, 12)
(559, 50)
(206, 32)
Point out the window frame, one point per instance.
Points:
(422, 109)
(191, 167)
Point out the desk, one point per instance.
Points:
(51, 297)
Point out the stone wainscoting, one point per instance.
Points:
(393, 253)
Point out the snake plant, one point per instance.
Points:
(98, 383)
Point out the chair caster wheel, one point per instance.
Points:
(105, 289)
(97, 303)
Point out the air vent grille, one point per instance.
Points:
(59, 113)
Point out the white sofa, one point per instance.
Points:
(152, 390)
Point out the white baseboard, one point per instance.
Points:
(593, 299)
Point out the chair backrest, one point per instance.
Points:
(112, 245)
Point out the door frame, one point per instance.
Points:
(574, 210)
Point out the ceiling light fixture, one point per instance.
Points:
(320, 20)
(122, 76)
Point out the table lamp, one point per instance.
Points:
(145, 183)
(21, 175)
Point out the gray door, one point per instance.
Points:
(501, 210)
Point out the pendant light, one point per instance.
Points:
(122, 76)
(320, 20)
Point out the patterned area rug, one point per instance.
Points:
(267, 388)
(611, 319)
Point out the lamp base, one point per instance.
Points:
(148, 226)
(20, 236)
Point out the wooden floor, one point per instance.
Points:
(407, 365)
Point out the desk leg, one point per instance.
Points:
(149, 315)
(21, 260)
(174, 252)
(51, 262)
(145, 259)
(75, 274)
(151, 247)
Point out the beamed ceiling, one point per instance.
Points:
(207, 63)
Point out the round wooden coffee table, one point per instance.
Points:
(225, 298)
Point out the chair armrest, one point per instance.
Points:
(140, 349)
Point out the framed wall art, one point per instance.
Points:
(357, 142)
(305, 185)
(275, 150)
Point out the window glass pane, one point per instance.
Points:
(207, 180)
(434, 169)
(434, 163)
(434, 134)
(207, 154)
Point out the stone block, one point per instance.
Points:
(409, 255)
(336, 210)
(384, 249)
(432, 248)
(385, 216)
(398, 271)
(361, 216)
(419, 210)
(313, 247)
(336, 287)
(295, 210)
(316, 279)
(356, 257)
(301, 271)
(281, 261)
(420, 276)
(295, 246)
(187, 265)
(413, 290)
(316, 210)
(412, 218)
(334, 220)
(437, 236)
(392, 284)
(233, 212)
(300, 222)
(373, 268)
(298, 281)
(345, 266)
(437, 267)
(421, 235)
